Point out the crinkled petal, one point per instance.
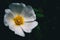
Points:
(26, 11)
(29, 26)
(8, 16)
(11, 25)
(29, 14)
(17, 7)
(17, 29)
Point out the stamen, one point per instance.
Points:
(19, 20)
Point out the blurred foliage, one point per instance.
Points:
(38, 12)
(39, 15)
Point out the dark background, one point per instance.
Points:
(47, 23)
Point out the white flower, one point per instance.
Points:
(19, 18)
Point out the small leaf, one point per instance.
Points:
(38, 27)
(38, 13)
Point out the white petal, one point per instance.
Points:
(29, 26)
(11, 25)
(26, 11)
(5, 22)
(8, 16)
(17, 7)
(29, 14)
(7, 11)
(17, 29)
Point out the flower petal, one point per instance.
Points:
(17, 7)
(11, 26)
(29, 14)
(17, 29)
(29, 26)
(7, 17)
(26, 11)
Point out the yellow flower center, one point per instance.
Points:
(19, 20)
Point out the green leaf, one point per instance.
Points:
(38, 27)
(38, 13)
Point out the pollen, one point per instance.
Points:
(19, 20)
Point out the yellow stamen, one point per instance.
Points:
(19, 20)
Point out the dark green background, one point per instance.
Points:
(46, 19)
